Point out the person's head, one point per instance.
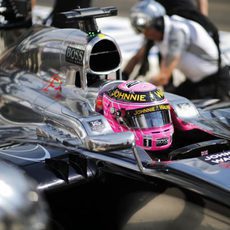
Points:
(141, 108)
(147, 17)
(21, 206)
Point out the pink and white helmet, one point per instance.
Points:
(141, 108)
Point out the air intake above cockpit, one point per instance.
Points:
(104, 56)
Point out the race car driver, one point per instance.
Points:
(139, 107)
(185, 45)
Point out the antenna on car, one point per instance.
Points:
(84, 19)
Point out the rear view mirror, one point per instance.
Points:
(110, 142)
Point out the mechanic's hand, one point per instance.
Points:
(160, 80)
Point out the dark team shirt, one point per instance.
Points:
(172, 5)
(66, 5)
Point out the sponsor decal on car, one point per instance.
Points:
(219, 158)
(55, 84)
(74, 55)
(96, 125)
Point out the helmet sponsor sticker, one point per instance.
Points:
(155, 95)
(147, 142)
(130, 84)
(96, 125)
(217, 159)
(162, 141)
(74, 55)
(138, 112)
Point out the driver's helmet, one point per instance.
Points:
(139, 107)
(21, 206)
(145, 14)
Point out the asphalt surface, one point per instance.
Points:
(219, 10)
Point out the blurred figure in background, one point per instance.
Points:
(61, 5)
(173, 7)
(67, 5)
(183, 44)
(190, 9)
(15, 14)
(15, 19)
(21, 206)
(33, 3)
(203, 6)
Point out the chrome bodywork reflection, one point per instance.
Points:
(46, 78)
(110, 142)
(21, 205)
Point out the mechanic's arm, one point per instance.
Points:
(177, 44)
(33, 3)
(167, 66)
(136, 59)
(203, 6)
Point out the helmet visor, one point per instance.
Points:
(150, 117)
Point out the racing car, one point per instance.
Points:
(49, 83)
